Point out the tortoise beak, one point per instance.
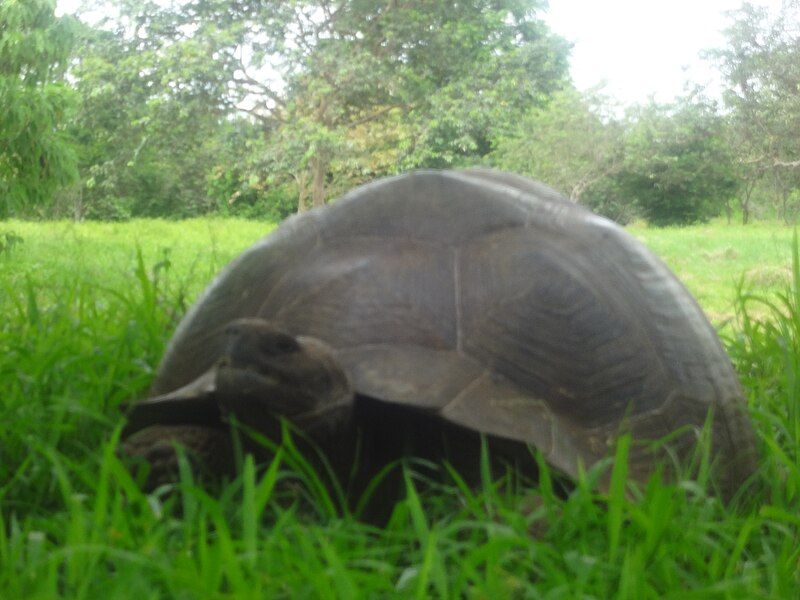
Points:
(192, 404)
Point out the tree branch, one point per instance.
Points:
(268, 118)
(781, 163)
(246, 79)
(765, 162)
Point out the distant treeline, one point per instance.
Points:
(265, 108)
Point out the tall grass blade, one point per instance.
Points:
(424, 573)
(266, 486)
(616, 494)
(417, 514)
(250, 512)
(337, 571)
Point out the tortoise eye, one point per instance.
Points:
(279, 344)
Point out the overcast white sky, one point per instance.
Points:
(638, 47)
(641, 47)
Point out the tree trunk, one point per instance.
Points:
(782, 193)
(301, 179)
(77, 204)
(319, 165)
(745, 202)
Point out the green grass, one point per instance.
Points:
(711, 260)
(87, 310)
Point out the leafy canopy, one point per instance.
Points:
(348, 91)
(678, 167)
(35, 158)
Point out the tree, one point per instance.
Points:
(571, 145)
(35, 156)
(146, 147)
(678, 167)
(761, 65)
(323, 78)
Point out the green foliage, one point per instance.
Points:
(87, 318)
(668, 164)
(488, 67)
(678, 167)
(274, 204)
(211, 106)
(570, 144)
(767, 348)
(335, 94)
(761, 65)
(239, 184)
(146, 147)
(35, 157)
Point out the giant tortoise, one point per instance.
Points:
(426, 310)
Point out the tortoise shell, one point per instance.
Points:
(491, 302)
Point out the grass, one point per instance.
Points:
(88, 309)
(712, 259)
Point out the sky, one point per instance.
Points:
(638, 48)
(641, 48)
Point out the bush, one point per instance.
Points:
(678, 167)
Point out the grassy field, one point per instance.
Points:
(712, 260)
(87, 311)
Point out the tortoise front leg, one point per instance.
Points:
(209, 450)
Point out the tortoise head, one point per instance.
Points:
(263, 373)
(266, 372)
(280, 361)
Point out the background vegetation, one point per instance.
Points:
(263, 108)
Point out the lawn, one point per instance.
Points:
(88, 309)
(712, 260)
